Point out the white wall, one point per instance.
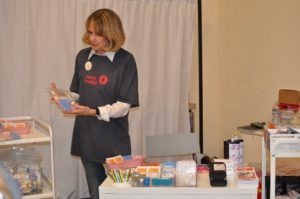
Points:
(250, 51)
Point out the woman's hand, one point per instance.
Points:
(80, 110)
(54, 98)
(76, 109)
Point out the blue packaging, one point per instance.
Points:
(65, 104)
(162, 182)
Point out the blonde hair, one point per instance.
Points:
(108, 25)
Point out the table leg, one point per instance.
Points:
(263, 169)
(272, 175)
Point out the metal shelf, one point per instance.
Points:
(40, 133)
(277, 146)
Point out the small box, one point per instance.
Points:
(186, 173)
(149, 171)
(162, 182)
(135, 161)
(229, 166)
(217, 174)
(289, 97)
(15, 127)
(65, 104)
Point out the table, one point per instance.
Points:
(108, 190)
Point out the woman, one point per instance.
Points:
(106, 81)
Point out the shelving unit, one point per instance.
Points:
(41, 133)
(278, 146)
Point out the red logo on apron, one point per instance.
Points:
(103, 79)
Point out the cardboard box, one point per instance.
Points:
(289, 97)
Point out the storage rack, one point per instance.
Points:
(278, 146)
(41, 133)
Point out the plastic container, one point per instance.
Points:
(137, 180)
(276, 115)
(286, 117)
(186, 173)
(168, 170)
(24, 164)
(16, 127)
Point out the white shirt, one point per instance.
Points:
(110, 55)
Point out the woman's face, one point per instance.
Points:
(97, 42)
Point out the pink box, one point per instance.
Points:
(132, 163)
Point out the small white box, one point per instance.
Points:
(229, 166)
(186, 173)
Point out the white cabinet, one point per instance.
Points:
(40, 135)
(277, 146)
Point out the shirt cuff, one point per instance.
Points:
(75, 96)
(118, 109)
